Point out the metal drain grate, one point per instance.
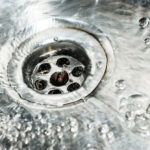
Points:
(58, 75)
(53, 62)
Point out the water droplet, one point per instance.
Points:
(147, 41)
(144, 22)
(49, 125)
(110, 137)
(129, 116)
(60, 135)
(58, 128)
(29, 127)
(18, 125)
(138, 103)
(99, 65)
(74, 129)
(55, 39)
(120, 84)
(103, 129)
(62, 124)
(136, 114)
(26, 141)
(39, 116)
(141, 122)
(32, 135)
(90, 126)
(123, 102)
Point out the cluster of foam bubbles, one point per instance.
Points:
(21, 129)
(106, 133)
(135, 109)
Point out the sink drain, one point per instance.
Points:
(58, 73)
(64, 57)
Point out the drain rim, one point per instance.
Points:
(95, 34)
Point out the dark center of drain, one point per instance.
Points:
(59, 78)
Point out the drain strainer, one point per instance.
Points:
(61, 63)
(56, 74)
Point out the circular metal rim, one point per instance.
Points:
(101, 38)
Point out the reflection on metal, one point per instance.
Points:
(74, 75)
(43, 48)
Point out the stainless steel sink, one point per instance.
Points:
(74, 75)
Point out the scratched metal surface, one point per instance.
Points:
(117, 115)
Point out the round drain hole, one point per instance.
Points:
(53, 73)
(40, 84)
(59, 78)
(44, 68)
(56, 91)
(62, 62)
(77, 71)
(73, 87)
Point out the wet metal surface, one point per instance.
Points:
(74, 75)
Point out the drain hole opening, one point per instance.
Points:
(72, 87)
(59, 78)
(62, 62)
(44, 68)
(40, 84)
(74, 50)
(77, 71)
(69, 56)
(56, 91)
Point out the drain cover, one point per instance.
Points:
(61, 59)
(56, 73)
